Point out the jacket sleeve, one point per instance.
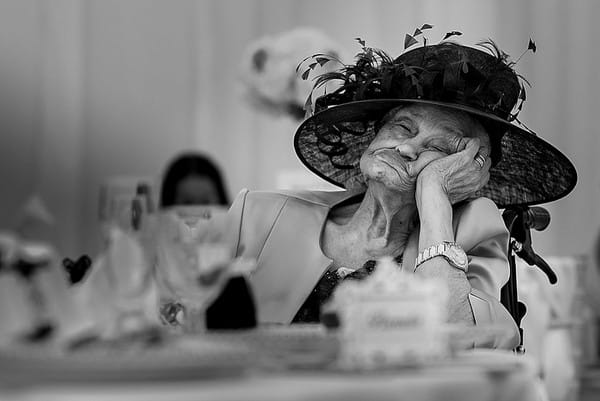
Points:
(480, 230)
(253, 215)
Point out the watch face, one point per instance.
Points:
(458, 256)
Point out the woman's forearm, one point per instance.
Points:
(435, 215)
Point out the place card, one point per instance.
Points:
(391, 318)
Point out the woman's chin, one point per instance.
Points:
(377, 171)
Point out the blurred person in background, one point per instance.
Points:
(191, 183)
(193, 179)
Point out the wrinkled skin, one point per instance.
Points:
(428, 144)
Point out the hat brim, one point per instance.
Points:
(531, 170)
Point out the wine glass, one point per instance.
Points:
(194, 250)
(126, 263)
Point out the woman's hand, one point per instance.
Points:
(457, 175)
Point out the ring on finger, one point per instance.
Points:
(480, 160)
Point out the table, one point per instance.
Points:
(480, 375)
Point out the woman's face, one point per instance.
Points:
(196, 190)
(410, 138)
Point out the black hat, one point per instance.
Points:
(526, 169)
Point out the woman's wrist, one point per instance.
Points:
(429, 185)
(435, 215)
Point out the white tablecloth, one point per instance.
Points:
(480, 375)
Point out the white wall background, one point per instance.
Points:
(96, 88)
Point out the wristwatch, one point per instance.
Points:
(451, 251)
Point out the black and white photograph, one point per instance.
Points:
(254, 200)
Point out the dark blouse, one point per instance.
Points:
(310, 310)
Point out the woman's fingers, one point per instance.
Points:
(424, 160)
(473, 146)
(476, 155)
(462, 173)
(470, 173)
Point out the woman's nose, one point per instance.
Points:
(408, 150)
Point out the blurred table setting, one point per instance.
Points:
(561, 324)
(295, 363)
(164, 311)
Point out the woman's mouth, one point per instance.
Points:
(393, 159)
(390, 156)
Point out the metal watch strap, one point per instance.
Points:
(433, 251)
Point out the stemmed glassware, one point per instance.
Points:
(194, 255)
(120, 288)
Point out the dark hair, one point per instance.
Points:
(186, 165)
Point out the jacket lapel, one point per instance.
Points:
(291, 261)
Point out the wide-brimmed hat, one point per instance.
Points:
(480, 81)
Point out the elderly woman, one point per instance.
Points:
(426, 152)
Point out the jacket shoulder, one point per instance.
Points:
(322, 198)
(254, 213)
(477, 220)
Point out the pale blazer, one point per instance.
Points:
(282, 231)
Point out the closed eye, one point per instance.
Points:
(443, 148)
(447, 145)
(439, 149)
(404, 124)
